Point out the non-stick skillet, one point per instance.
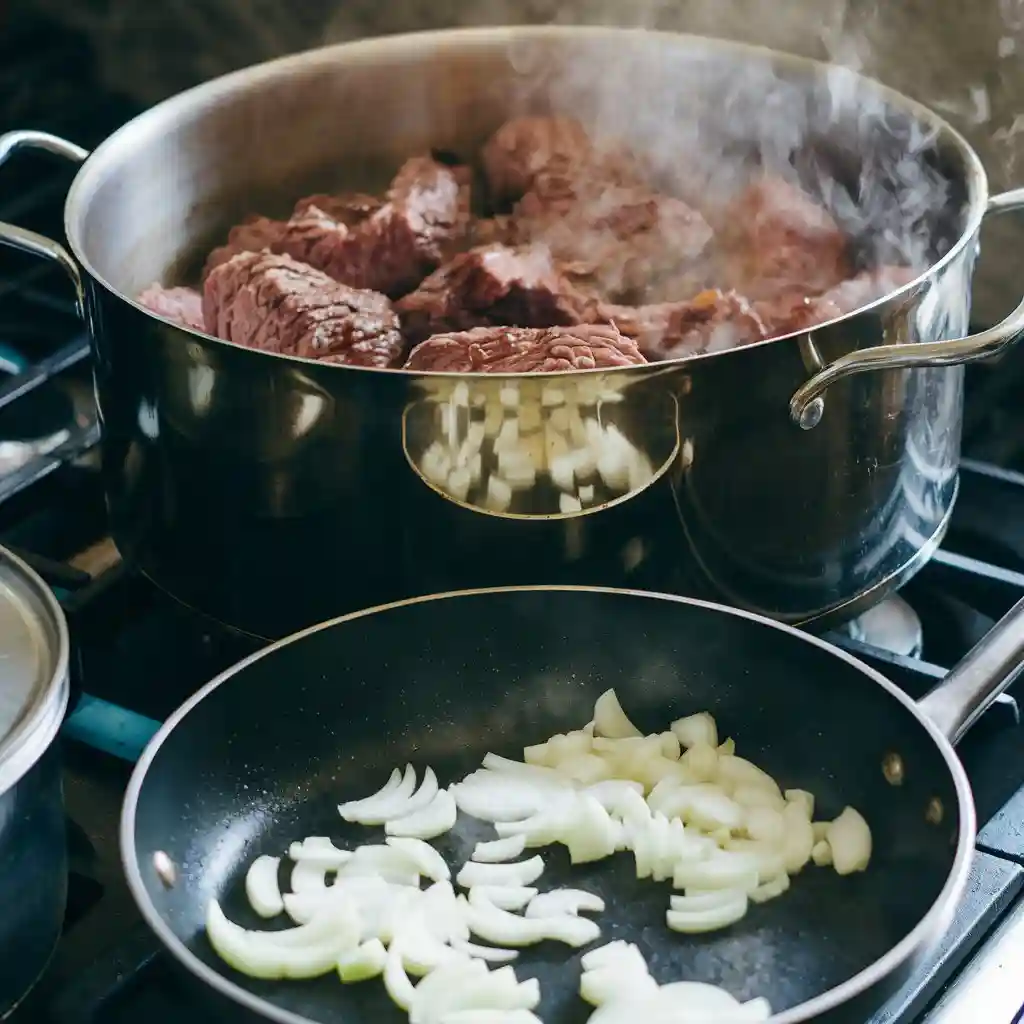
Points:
(263, 754)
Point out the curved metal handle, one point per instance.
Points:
(956, 703)
(807, 404)
(30, 241)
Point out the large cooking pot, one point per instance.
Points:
(803, 477)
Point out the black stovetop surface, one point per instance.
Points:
(107, 968)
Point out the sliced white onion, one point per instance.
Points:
(821, 854)
(696, 729)
(701, 761)
(543, 828)
(802, 799)
(304, 952)
(564, 901)
(495, 851)
(725, 869)
(376, 810)
(391, 786)
(490, 1017)
(709, 919)
(308, 876)
(736, 771)
(849, 838)
(362, 963)
(422, 856)
(423, 796)
(517, 873)
(573, 931)
(262, 888)
(798, 838)
(609, 718)
(433, 988)
(492, 954)
(590, 834)
(392, 865)
(770, 889)
(493, 797)
(506, 897)
(429, 822)
(443, 912)
(767, 824)
(605, 984)
(321, 851)
(396, 981)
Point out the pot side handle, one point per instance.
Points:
(30, 241)
(808, 403)
(970, 689)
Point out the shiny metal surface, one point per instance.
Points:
(34, 656)
(271, 492)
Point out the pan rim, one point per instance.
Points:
(933, 920)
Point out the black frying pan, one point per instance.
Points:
(263, 755)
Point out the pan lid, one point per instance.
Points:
(34, 651)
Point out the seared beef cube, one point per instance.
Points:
(182, 305)
(710, 322)
(525, 350)
(526, 148)
(620, 239)
(501, 230)
(424, 222)
(349, 208)
(777, 240)
(272, 302)
(253, 235)
(492, 284)
(798, 312)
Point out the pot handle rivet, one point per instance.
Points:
(810, 414)
(893, 770)
(165, 869)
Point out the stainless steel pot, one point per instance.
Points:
(803, 477)
(34, 688)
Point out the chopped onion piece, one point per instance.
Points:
(590, 835)
(708, 919)
(694, 729)
(422, 856)
(490, 1017)
(541, 829)
(819, 829)
(516, 873)
(261, 886)
(713, 900)
(821, 854)
(564, 901)
(428, 822)
(308, 876)
(505, 897)
(769, 889)
(803, 799)
(501, 928)
(371, 860)
(736, 771)
(573, 931)
(609, 718)
(304, 952)
(362, 963)
(396, 981)
(757, 796)
(497, 850)
(320, 850)
(605, 984)
(702, 1000)
(727, 746)
(435, 985)
(725, 869)
(492, 954)
(616, 795)
(798, 838)
(701, 761)
(377, 810)
(387, 790)
(850, 841)
(423, 796)
(766, 824)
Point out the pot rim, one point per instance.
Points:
(33, 733)
(149, 124)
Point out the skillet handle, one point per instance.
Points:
(955, 704)
(30, 241)
(807, 405)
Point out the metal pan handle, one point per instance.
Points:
(955, 704)
(30, 241)
(807, 404)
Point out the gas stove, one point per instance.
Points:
(108, 969)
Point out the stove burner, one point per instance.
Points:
(891, 625)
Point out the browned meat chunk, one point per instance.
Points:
(778, 240)
(274, 303)
(182, 305)
(387, 247)
(492, 285)
(525, 350)
(710, 322)
(621, 240)
(798, 312)
(500, 230)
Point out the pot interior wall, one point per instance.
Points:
(160, 192)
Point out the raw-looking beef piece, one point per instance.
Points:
(711, 321)
(777, 240)
(423, 223)
(798, 312)
(621, 239)
(274, 303)
(182, 305)
(492, 285)
(525, 350)
(365, 243)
